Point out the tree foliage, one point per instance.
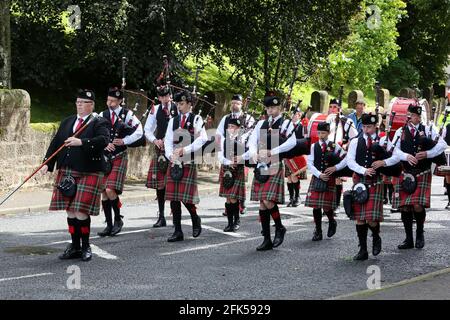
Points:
(263, 38)
(371, 45)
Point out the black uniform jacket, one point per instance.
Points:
(86, 158)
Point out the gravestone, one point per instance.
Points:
(319, 101)
(353, 96)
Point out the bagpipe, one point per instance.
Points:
(381, 152)
(427, 143)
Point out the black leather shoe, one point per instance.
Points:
(407, 244)
(290, 202)
(385, 201)
(296, 202)
(228, 228)
(395, 210)
(196, 227)
(176, 236)
(224, 213)
(160, 223)
(448, 206)
(86, 254)
(376, 246)
(279, 236)
(118, 224)
(317, 236)
(420, 240)
(362, 255)
(71, 253)
(266, 245)
(105, 232)
(331, 228)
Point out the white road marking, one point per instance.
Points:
(27, 277)
(209, 246)
(46, 234)
(102, 253)
(95, 250)
(231, 234)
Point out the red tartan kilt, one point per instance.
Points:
(186, 189)
(372, 210)
(322, 200)
(237, 191)
(88, 196)
(155, 178)
(116, 178)
(272, 190)
(421, 196)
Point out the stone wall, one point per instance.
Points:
(22, 148)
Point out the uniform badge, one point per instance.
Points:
(89, 94)
(275, 101)
(373, 119)
(117, 94)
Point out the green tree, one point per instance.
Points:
(424, 39)
(263, 38)
(357, 60)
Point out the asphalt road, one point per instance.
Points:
(141, 264)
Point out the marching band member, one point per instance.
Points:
(346, 125)
(268, 183)
(361, 159)
(412, 197)
(80, 168)
(155, 130)
(125, 128)
(294, 127)
(446, 136)
(322, 189)
(181, 184)
(232, 177)
(247, 121)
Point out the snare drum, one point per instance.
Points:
(400, 106)
(443, 171)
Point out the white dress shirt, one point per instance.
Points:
(193, 147)
(434, 152)
(75, 125)
(221, 128)
(254, 141)
(351, 155)
(151, 123)
(223, 160)
(130, 120)
(310, 160)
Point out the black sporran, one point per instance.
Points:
(228, 177)
(176, 171)
(163, 164)
(360, 193)
(68, 187)
(262, 174)
(409, 183)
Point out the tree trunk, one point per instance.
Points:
(5, 45)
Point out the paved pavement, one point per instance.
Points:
(141, 264)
